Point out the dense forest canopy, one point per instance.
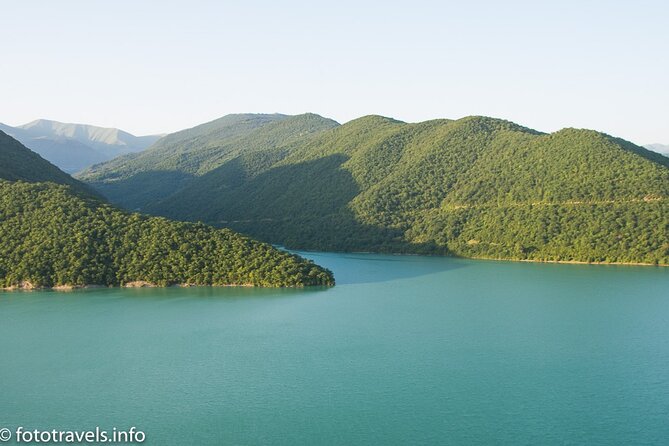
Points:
(476, 186)
(52, 237)
(174, 160)
(54, 233)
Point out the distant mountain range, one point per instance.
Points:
(660, 148)
(73, 147)
(474, 187)
(17, 163)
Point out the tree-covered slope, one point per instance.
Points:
(19, 163)
(52, 237)
(476, 186)
(171, 163)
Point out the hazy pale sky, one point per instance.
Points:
(161, 66)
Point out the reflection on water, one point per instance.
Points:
(373, 268)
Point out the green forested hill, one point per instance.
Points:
(53, 232)
(476, 186)
(176, 159)
(19, 163)
(51, 237)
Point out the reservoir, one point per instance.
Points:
(404, 350)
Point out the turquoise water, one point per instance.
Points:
(405, 350)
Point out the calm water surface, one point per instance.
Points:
(405, 350)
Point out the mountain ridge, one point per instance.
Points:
(176, 159)
(88, 132)
(474, 187)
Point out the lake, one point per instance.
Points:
(404, 350)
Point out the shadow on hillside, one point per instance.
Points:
(302, 206)
(145, 187)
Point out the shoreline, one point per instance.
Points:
(496, 259)
(570, 262)
(136, 284)
(27, 286)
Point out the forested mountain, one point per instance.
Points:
(476, 186)
(72, 147)
(175, 160)
(53, 233)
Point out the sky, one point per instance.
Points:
(160, 66)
